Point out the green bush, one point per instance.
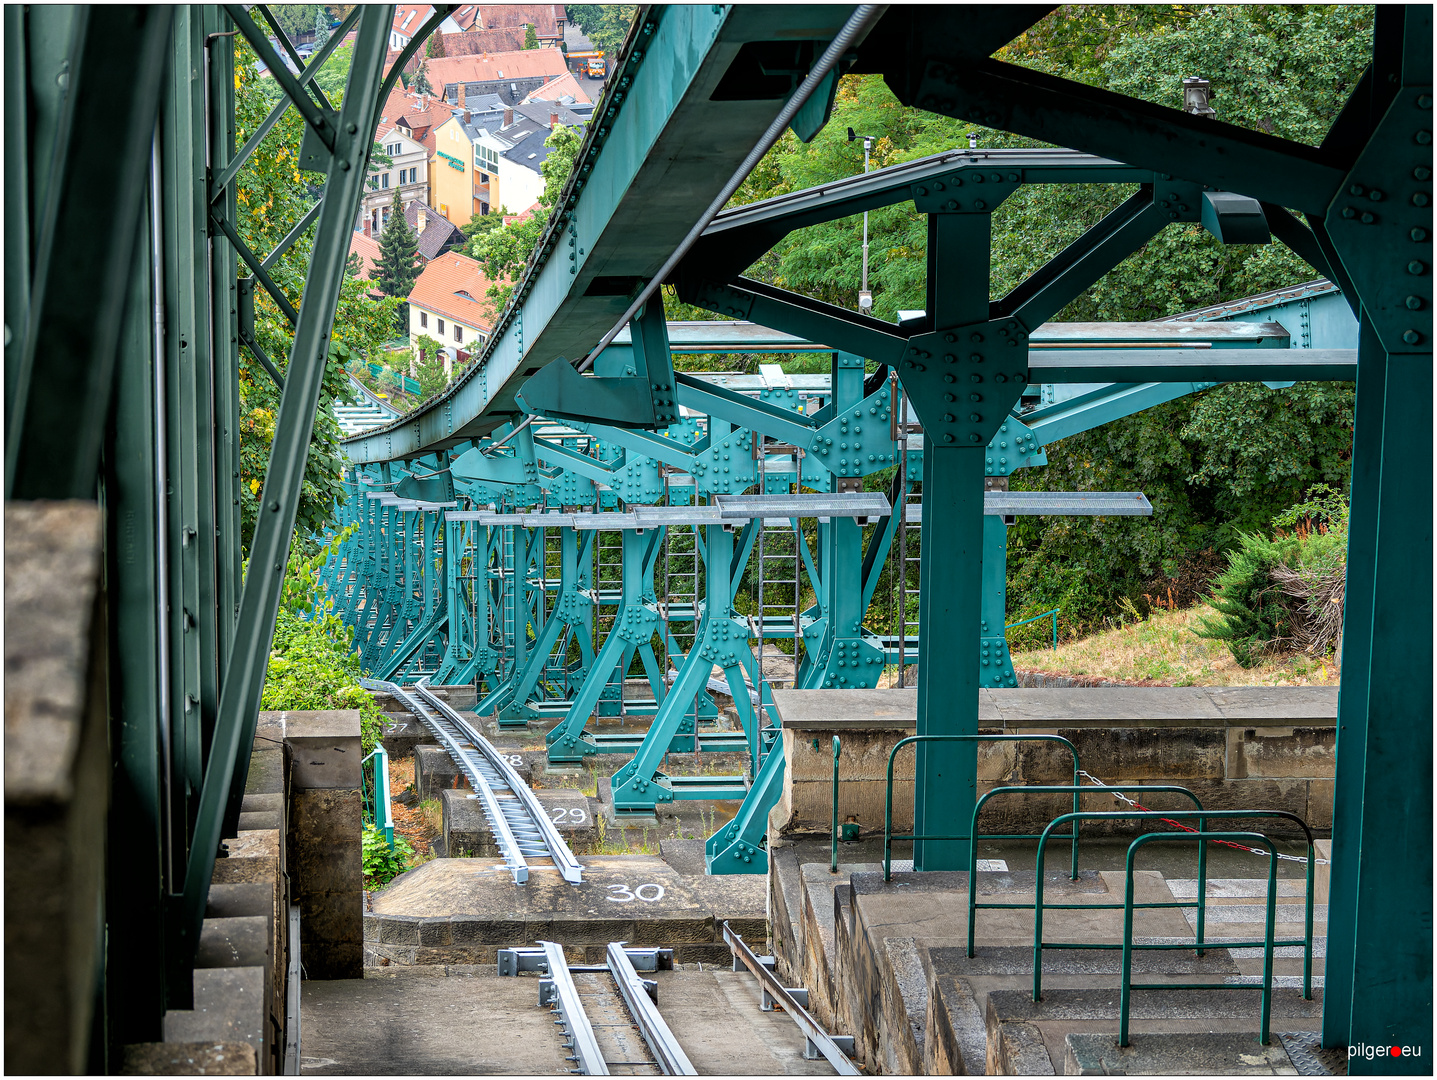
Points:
(312, 664)
(1256, 615)
(382, 863)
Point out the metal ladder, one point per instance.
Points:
(779, 587)
(608, 586)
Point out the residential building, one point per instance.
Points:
(409, 173)
(449, 303)
(548, 20)
(434, 234)
(511, 75)
(367, 248)
(408, 18)
(565, 90)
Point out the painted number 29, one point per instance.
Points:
(568, 815)
(647, 893)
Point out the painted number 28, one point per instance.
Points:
(622, 895)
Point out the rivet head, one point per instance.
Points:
(948, 378)
(947, 438)
(975, 438)
(979, 204)
(976, 338)
(1356, 189)
(1368, 218)
(1418, 235)
(1424, 137)
(921, 190)
(1416, 267)
(975, 377)
(1375, 195)
(975, 397)
(1424, 101)
(1412, 337)
(976, 418)
(1414, 303)
(1422, 172)
(1348, 212)
(1420, 199)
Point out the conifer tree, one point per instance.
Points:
(434, 47)
(396, 270)
(420, 84)
(531, 39)
(321, 27)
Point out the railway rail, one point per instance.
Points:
(522, 831)
(601, 1008)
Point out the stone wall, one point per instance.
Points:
(1233, 747)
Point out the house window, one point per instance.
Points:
(374, 183)
(458, 332)
(424, 319)
(486, 158)
(384, 181)
(441, 327)
(395, 148)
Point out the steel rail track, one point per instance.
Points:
(560, 991)
(818, 1040)
(522, 831)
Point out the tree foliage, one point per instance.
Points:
(420, 84)
(605, 25)
(434, 47)
(1214, 464)
(397, 267)
(272, 195)
(531, 39)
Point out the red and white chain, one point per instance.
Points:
(1188, 828)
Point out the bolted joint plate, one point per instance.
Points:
(971, 188)
(964, 380)
(1381, 224)
(857, 441)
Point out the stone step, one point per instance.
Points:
(466, 832)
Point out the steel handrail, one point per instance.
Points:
(1024, 622)
(380, 794)
(1201, 817)
(568, 865)
(888, 834)
(1268, 942)
(812, 1030)
(1077, 791)
(669, 1055)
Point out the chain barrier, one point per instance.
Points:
(1187, 828)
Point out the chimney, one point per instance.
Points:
(508, 116)
(461, 98)
(553, 120)
(423, 219)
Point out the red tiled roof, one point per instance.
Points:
(442, 286)
(466, 16)
(478, 42)
(408, 18)
(524, 64)
(420, 113)
(367, 248)
(564, 86)
(542, 17)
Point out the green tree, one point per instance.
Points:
(321, 27)
(397, 267)
(429, 367)
(295, 19)
(606, 25)
(420, 83)
(272, 195)
(531, 39)
(434, 47)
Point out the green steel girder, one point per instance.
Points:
(642, 177)
(238, 711)
(57, 400)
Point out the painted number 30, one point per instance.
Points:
(647, 893)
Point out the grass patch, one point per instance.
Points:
(1165, 649)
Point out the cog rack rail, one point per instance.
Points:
(522, 831)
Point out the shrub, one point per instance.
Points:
(1270, 596)
(312, 664)
(382, 863)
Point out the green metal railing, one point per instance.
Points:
(377, 811)
(889, 836)
(1035, 618)
(408, 385)
(833, 861)
(1202, 836)
(1076, 791)
(1269, 933)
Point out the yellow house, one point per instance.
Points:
(451, 172)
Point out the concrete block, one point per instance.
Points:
(1180, 1053)
(262, 819)
(230, 1006)
(1282, 752)
(434, 932)
(187, 1059)
(257, 802)
(331, 928)
(266, 772)
(1019, 1051)
(236, 941)
(466, 828)
(228, 901)
(435, 771)
(402, 734)
(398, 929)
(325, 748)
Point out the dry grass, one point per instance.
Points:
(1165, 650)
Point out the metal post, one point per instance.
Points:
(833, 863)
